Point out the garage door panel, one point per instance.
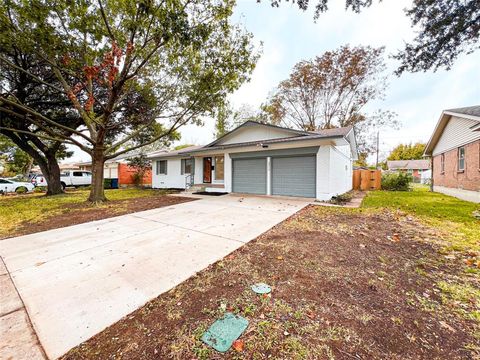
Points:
(294, 176)
(250, 176)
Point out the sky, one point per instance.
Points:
(288, 35)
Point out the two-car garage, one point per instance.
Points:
(290, 174)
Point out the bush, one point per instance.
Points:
(342, 198)
(396, 181)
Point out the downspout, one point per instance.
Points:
(431, 178)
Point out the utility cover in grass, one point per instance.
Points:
(223, 332)
(261, 288)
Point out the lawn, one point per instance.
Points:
(36, 212)
(368, 283)
(449, 215)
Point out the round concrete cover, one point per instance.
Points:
(261, 288)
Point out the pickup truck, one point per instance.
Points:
(68, 178)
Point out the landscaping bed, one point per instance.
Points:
(34, 213)
(347, 283)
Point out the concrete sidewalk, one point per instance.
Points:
(76, 281)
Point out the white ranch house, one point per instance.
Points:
(263, 159)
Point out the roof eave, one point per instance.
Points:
(441, 123)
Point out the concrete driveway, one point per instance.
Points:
(77, 280)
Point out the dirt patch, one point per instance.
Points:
(346, 284)
(79, 213)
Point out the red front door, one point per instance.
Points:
(207, 170)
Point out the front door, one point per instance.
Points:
(207, 170)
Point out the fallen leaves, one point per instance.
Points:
(238, 345)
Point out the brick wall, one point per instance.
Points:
(469, 179)
(125, 173)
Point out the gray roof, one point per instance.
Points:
(300, 136)
(342, 131)
(269, 141)
(469, 110)
(164, 153)
(408, 164)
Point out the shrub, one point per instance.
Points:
(342, 198)
(396, 181)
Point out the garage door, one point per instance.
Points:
(294, 176)
(250, 176)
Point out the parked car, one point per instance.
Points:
(10, 185)
(68, 178)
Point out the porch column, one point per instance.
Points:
(269, 175)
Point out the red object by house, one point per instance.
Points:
(126, 173)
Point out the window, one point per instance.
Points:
(461, 158)
(219, 167)
(442, 163)
(4, 181)
(187, 166)
(77, 173)
(162, 167)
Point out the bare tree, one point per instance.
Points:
(332, 90)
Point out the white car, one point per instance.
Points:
(9, 186)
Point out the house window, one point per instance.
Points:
(187, 166)
(162, 167)
(442, 163)
(461, 158)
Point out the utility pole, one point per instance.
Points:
(378, 144)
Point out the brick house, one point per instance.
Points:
(118, 168)
(418, 169)
(455, 152)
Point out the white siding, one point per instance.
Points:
(173, 178)
(334, 172)
(255, 133)
(228, 173)
(323, 173)
(340, 172)
(456, 133)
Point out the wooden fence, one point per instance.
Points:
(367, 180)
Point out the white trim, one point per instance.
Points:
(269, 175)
(465, 116)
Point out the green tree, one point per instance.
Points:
(134, 72)
(16, 161)
(40, 145)
(407, 152)
(445, 29)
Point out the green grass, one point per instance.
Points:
(448, 214)
(14, 211)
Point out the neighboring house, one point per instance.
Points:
(455, 150)
(419, 169)
(118, 168)
(264, 159)
(66, 166)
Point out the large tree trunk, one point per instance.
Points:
(97, 192)
(51, 172)
(54, 186)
